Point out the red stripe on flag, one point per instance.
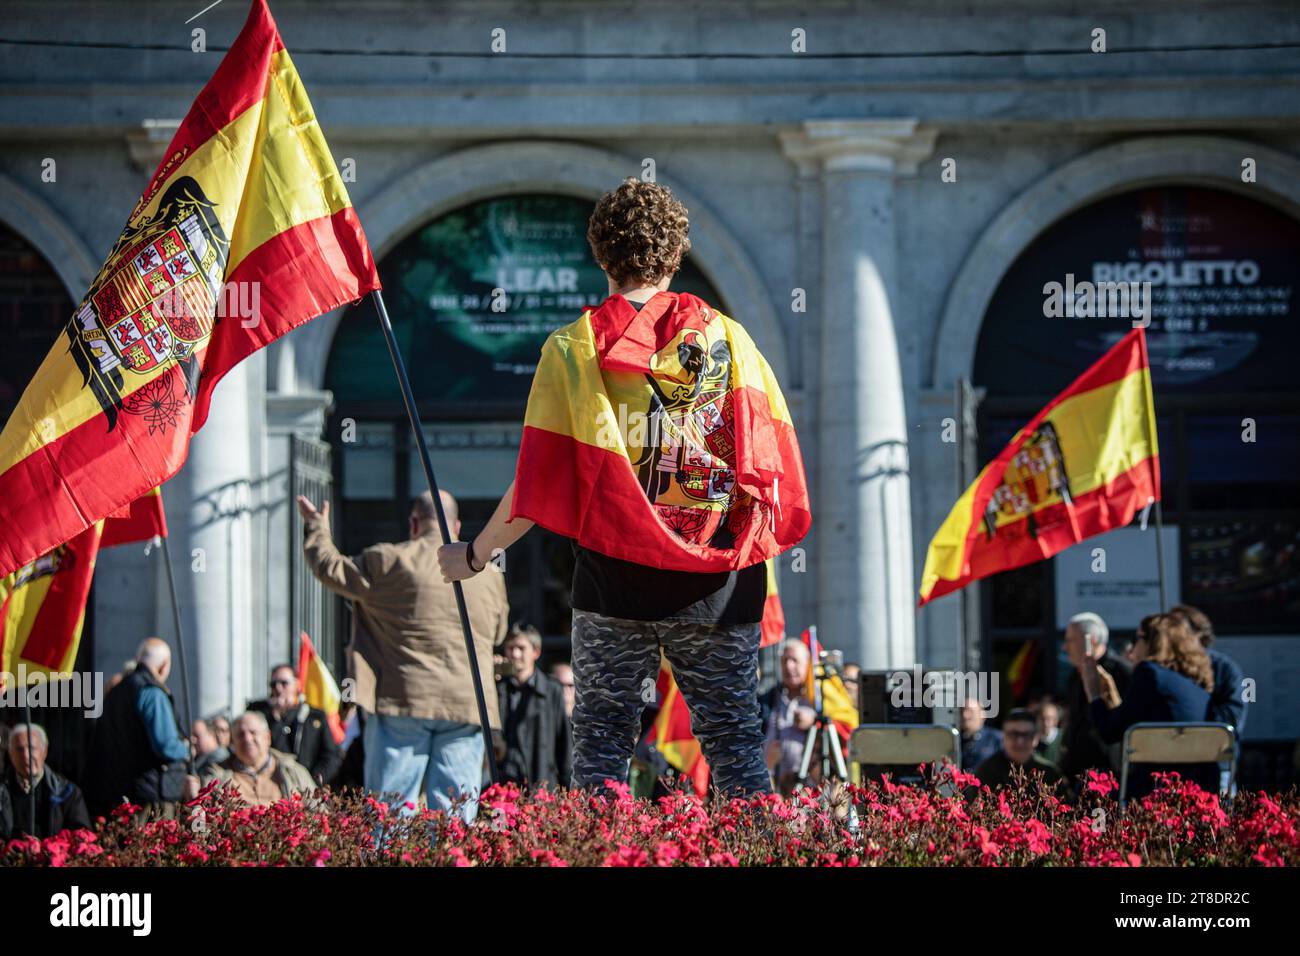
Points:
(1103, 509)
(302, 272)
(44, 499)
(55, 626)
(238, 84)
(773, 625)
(141, 520)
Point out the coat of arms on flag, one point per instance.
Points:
(247, 208)
(1086, 463)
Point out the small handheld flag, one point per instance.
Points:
(318, 686)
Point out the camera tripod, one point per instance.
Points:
(834, 766)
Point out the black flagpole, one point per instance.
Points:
(180, 648)
(1160, 557)
(409, 399)
(31, 784)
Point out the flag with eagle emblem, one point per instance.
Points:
(244, 232)
(661, 437)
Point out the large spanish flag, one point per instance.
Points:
(244, 232)
(661, 437)
(43, 603)
(1083, 465)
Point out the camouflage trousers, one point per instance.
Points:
(615, 666)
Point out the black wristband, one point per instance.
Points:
(469, 557)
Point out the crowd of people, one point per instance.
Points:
(413, 721)
(412, 732)
(414, 737)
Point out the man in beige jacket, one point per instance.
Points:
(261, 775)
(408, 657)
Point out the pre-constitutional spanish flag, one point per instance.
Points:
(43, 603)
(318, 687)
(661, 437)
(244, 232)
(1083, 465)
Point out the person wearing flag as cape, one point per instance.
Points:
(657, 439)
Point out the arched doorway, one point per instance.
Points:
(471, 353)
(34, 307)
(1223, 269)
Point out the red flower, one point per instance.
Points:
(1102, 783)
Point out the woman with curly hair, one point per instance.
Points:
(1171, 683)
(657, 439)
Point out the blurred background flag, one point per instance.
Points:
(835, 700)
(318, 686)
(671, 732)
(244, 232)
(773, 627)
(43, 603)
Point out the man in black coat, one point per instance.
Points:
(1082, 749)
(534, 721)
(1019, 743)
(59, 802)
(298, 729)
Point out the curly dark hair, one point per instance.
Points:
(638, 232)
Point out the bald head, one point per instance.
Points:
(424, 517)
(154, 654)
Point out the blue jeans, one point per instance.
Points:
(444, 757)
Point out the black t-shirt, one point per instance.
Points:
(635, 592)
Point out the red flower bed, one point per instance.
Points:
(1178, 825)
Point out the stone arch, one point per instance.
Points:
(483, 172)
(1191, 160)
(47, 231)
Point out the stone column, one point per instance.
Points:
(861, 499)
(217, 557)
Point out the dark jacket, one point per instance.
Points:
(985, 743)
(1081, 748)
(1157, 694)
(996, 770)
(123, 762)
(1226, 705)
(539, 740)
(59, 806)
(304, 733)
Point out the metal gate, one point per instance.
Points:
(312, 607)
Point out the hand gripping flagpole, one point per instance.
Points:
(409, 399)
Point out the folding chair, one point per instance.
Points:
(904, 745)
(1166, 743)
